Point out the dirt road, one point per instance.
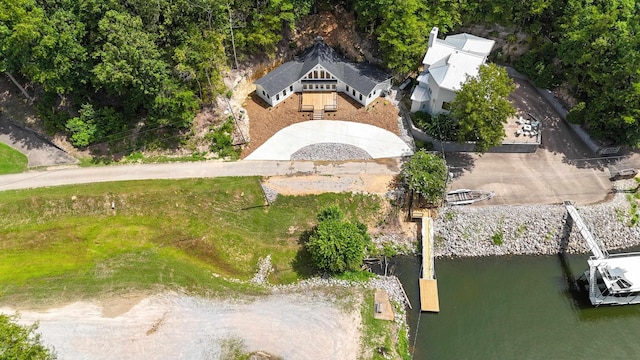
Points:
(173, 326)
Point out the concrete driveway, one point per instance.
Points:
(39, 151)
(377, 142)
(550, 175)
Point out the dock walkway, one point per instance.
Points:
(428, 283)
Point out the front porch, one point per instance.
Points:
(318, 101)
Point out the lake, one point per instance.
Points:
(519, 307)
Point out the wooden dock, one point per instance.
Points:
(428, 283)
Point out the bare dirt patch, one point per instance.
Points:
(172, 326)
(318, 184)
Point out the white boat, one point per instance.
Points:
(467, 196)
(612, 279)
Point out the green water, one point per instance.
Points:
(517, 308)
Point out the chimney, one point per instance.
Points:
(433, 35)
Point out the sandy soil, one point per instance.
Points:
(174, 326)
(318, 184)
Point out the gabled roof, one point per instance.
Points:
(454, 72)
(361, 76)
(451, 60)
(471, 43)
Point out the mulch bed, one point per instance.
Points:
(265, 121)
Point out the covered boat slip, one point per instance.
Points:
(620, 272)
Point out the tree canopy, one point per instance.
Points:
(335, 244)
(21, 342)
(482, 107)
(154, 62)
(426, 174)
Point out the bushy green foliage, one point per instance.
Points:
(222, 141)
(335, 244)
(482, 107)
(538, 64)
(331, 212)
(599, 48)
(21, 342)
(425, 174)
(441, 126)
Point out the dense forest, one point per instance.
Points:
(106, 66)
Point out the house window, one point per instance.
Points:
(353, 92)
(347, 88)
(333, 86)
(284, 92)
(291, 88)
(360, 97)
(369, 95)
(315, 75)
(277, 97)
(268, 97)
(304, 87)
(446, 105)
(263, 93)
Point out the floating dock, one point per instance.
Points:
(428, 283)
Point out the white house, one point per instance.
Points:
(321, 70)
(447, 64)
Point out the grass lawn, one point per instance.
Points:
(197, 235)
(11, 160)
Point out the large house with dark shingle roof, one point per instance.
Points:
(322, 70)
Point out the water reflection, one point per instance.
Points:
(493, 308)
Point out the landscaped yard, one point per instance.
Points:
(68, 242)
(265, 121)
(11, 160)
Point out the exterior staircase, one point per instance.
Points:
(318, 114)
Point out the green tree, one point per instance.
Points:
(600, 52)
(21, 342)
(425, 174)
(337, 245)
(201, 60)
(129, 63)
(482, 107)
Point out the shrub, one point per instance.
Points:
(336, 245)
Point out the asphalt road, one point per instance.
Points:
(70, 176)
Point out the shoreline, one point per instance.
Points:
(532, 229)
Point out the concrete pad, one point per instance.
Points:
(39, 151)
(377, 142)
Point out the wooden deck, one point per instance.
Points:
(428, 284)
(319, 99)
(382, 298)
(429, 295)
